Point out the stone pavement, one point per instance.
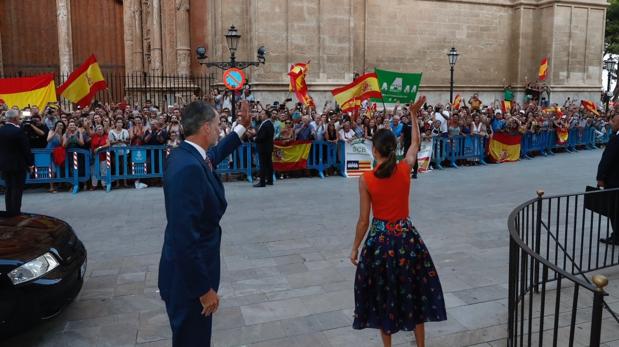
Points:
(286, 278)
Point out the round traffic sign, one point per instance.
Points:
(234, 79)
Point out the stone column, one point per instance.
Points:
(183, 49)
(138, 42)
(65, 37)
(128, 35)
(156, 51)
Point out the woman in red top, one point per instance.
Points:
(396, 283)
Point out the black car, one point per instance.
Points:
(42, 267)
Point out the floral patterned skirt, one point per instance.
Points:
(396, 284)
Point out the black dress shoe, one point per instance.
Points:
(610, 241)
(259, 185)
(270, 183)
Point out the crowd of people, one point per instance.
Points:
(120, 125)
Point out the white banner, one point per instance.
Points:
(424, 156)
(359, 157)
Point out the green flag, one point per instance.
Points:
(398, 86)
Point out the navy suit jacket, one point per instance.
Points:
(195, 203)
(14, 149)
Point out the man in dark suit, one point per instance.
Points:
(264, 145)
(608, 177)
(189, 269)
(15, 160)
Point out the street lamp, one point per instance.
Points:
(609, 65)
(232, 39)
(453, 58)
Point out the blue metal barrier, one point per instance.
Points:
(323, 155)
(534, 142)
(137, 162)
(463, 147)
(239, 162)
(601, 139)
(439, 151)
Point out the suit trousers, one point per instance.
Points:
(189, 327)
(15, 182)
(266, 165)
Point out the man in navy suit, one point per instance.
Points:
(15, 159)
(195, 202)
(608, 177)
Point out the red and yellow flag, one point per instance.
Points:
(83, 83)
(506, 106)
(590, 106)
(350, 96)
(290, 156)
(562, 136)
(504, 148)
(457, 102)
(297, 75)
(28, 91)
(543, 70)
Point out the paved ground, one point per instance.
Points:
(286, 278)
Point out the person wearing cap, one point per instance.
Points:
(15, 160)
(608, 177)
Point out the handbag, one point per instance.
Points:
(601, 201)
(59, 154)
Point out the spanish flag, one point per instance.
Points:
(543, 69)
(83, 83)
(297, 83)
(457, 102)
(504, 148)
(290, 156)
(590, 106)
(28, 91)
(562, 136)
(506, 106)
(350, 96)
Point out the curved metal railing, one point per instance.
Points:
(554, 242)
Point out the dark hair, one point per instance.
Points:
(195, 115)
(385, 143)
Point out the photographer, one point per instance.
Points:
(35, 130)
(175, 126)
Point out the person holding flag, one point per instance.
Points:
(396, 283)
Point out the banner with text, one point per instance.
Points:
(398, 86)
(359, 157)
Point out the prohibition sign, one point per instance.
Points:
(234, 79)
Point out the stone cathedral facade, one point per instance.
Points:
(499, 41)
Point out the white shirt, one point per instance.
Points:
(239, 129)
(439, 117)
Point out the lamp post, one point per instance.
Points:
(453, 58)
(609, 65)
(232, 39)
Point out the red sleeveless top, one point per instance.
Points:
(390, 196)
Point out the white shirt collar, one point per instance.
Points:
(200, 149)
(13, 124)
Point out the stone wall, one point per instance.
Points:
(500, 41)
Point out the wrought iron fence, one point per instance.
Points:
(136, 88)
(554, 242)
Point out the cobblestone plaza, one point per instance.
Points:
(286, 278)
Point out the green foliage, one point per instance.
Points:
(612, 27)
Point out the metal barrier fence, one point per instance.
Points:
(146, 162)
(555, 239)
